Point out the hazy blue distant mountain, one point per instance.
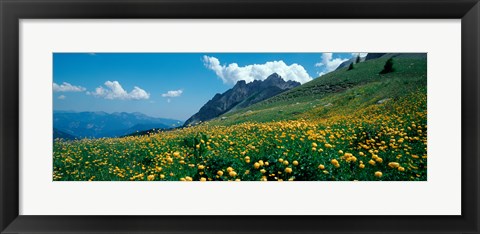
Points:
(102, 124)
(57, 134)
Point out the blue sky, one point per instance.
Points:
(170, 85)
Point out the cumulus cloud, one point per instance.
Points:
(67, 87)
(114, 91)
(329, 63)
(61, 97)
(173, 93)
(232, 73)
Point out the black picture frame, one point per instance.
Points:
(11, 11)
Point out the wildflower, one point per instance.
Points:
(288, 170)
(393, 164)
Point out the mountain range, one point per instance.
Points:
(69, 124)
(371, 56)
(240, 96)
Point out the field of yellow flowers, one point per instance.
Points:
(386, 141)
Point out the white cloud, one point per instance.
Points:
(232, 73)
(329, 63)
(62, 97)
(173, 93)
(67, 87)
(114, 90)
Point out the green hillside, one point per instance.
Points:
(351, 125)
(338, 92)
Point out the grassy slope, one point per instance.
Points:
(353, 124)
(337, 92)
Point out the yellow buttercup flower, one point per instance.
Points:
(393, 164)
(288, 170)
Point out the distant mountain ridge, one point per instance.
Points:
(240, 96)
(102, 124)
(371, 56)
(63, 135)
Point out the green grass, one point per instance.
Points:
(310, 127)
(341, 90)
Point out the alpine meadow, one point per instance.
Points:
(262, 117)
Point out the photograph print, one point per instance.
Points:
(239, 116)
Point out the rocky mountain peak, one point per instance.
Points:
(243, 94)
